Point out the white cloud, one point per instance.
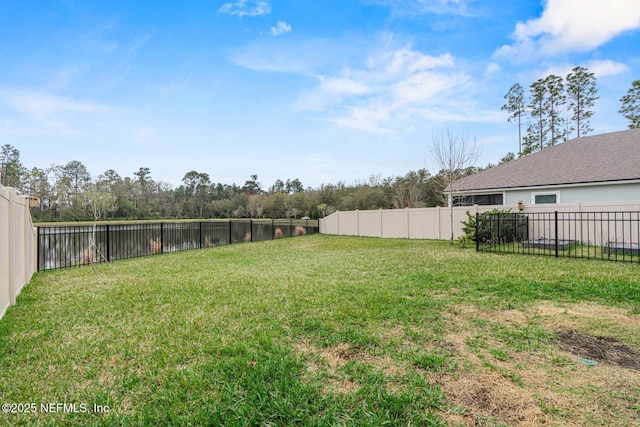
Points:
(607, 68)
(286, 55)
(43, 104)
(372, 117)
(344, 85)
(45, 113)
(393, 88)
(491, 68)
(422, 7)
(280, 28)
(572, 25)
(246, 8)
(379, 86)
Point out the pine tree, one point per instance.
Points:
(631, 105)
(11, 170)
(581, 92)
(516, 107)
(536, 137)
(554, 102)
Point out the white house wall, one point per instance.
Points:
(583, 194)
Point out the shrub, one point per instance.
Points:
(468, 230)
(496, 226)
(278, 234)
(502, 226)
(299, 231)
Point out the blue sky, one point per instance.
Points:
(319, 90)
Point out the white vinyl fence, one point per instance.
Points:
(17, 246)
(435, 223)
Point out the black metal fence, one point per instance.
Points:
(72, 245)
(593, 235)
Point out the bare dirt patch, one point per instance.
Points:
(599, 349)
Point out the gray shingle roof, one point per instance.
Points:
(599, 158)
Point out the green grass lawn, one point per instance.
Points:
(323, 331)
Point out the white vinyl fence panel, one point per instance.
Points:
(17, 246)
(435, 223)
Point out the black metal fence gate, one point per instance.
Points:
(593, 235)
(71, 245)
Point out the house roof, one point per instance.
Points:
(609, 157)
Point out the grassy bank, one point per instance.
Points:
(326, 330)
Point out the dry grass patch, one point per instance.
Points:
(489, 398)
(336, 357)
(317, 359)
(586, 311)
(504, 385)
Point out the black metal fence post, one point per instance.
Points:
(38, 251)
(476, 232)
(514, 230)
(108, 256)
(161, 237)
(499, 231)
(556, 232)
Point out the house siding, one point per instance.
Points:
(584, 194)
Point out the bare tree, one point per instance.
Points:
(454, 156)
(100, 200)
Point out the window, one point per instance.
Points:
(488, 199)
(545, 198)
(478, 199)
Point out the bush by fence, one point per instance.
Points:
(67, 246)
(17, 246)
(501, 226)
(601, 235)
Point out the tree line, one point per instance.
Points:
(556, 108)
(70, 193)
